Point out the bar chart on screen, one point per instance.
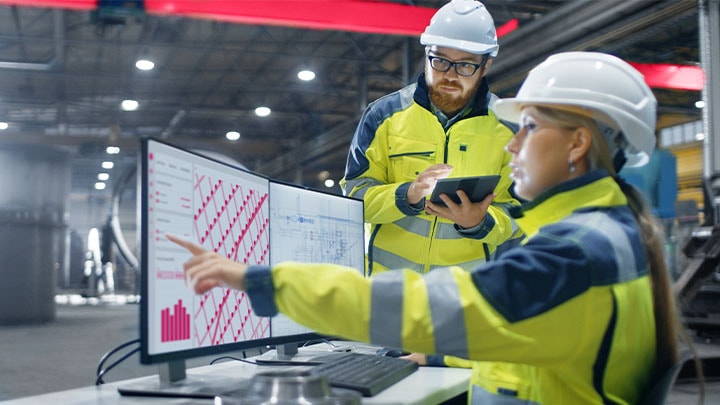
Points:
(174, 323)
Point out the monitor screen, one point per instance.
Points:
(243, 216)
(311, 226)
(216, 205)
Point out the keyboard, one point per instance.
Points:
(367, 373)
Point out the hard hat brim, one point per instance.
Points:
(508, 109)
(465, 46)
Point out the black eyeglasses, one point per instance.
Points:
(461, 68)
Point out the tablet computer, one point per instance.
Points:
(476, 188)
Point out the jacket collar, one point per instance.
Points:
(592, 190)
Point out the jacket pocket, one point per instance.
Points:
(409, 158)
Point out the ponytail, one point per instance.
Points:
(669, 330)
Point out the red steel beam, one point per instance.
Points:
(675, 77)
(367, 16)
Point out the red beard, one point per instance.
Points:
(447, 103)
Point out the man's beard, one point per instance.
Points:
(448, 103)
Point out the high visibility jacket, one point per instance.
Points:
(399, 137)
(572, 306)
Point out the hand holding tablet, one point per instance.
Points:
(476, 188)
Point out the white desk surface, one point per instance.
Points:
(428, 385)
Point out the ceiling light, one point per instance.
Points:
(129, 105)
(144, 64)
(700, 104)
(262, 111)
(232, 135)
(99, 185)
(329, 183)
(107, 165)
(4, 126)
(112, 150)
(103, 176)
(306, 75)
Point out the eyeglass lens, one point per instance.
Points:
(461, 68)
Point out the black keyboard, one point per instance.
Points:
(367, 373)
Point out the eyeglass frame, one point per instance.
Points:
(452, 64)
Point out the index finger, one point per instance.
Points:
(193, 248)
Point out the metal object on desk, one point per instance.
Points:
(296, 387)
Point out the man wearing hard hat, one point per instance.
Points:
(442, 125)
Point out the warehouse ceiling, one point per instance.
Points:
(64, 72)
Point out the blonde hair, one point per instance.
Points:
(668, 327)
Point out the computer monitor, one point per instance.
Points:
(307, 225)
(241, 215)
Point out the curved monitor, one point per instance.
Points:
(243, 216)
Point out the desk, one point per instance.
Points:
(428, 385)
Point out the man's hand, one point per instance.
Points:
(206, 270)
(425, 182)
(466, 214)
(418, 358)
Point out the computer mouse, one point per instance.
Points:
(391, 352)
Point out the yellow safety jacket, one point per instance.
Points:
(397, 138)
(572, 307)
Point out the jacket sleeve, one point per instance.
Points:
(435, 360)
(443, 312)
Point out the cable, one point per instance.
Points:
(100, 371)
(326, 341)
(231, 358)
(99, 379)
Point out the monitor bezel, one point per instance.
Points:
(145, 356)
(286, 339)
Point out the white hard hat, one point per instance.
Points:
(465, 25)
(595, 82)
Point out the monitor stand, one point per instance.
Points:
(172, 381)
(288, 354)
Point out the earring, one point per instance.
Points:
(572, 166)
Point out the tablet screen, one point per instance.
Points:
(476, 188)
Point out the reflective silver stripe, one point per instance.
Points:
(447, 313)
(446, 230)
(506, 208)
(491, 101)
(478, 395)
(393, 261)
(364, 183)
(385, 324)
(622, 249)
(406, 95)
(467, 266)
(414, 225)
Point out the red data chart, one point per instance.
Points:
(231, 219)
(175, 324)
